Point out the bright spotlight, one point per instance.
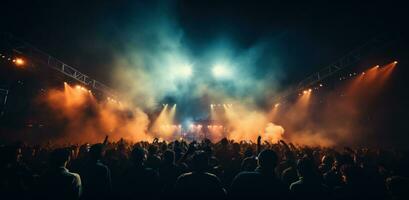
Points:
(221, 71)
(19, 61)
(186, 71)
(395, 62)
(276, 105)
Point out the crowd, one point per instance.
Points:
(200, 170)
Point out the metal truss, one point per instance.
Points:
(33, 53)
(347, 60)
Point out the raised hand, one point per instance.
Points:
(105, 140)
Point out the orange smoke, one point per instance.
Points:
(336, 116)
(247, 123)
(85, 119)
(163, 127)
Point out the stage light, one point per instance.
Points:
(310, 90)
(19, 61)
(321, 85)
(305, 91)
(395, 62)
(186, 71)
(276, 105)
(221, 71)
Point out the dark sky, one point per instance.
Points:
(309, 34)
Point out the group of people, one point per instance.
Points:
(200, 170)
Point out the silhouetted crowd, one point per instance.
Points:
(200, 170)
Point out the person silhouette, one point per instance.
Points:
(199, 183)
(261, 183)
(58, 182)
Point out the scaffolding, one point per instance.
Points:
(345, 61)
(21, 47)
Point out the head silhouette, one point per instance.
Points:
(96, 151)
(267, 159)
(138, 155)
(169, 157)
(59, 157)
(305, 167)
(200, 161)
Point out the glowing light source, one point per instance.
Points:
(395, 62)
(19, 61)
(276, 105)
(185, 71)
(221, 71)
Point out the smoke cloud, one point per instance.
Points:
(155, 63)
(81, 118)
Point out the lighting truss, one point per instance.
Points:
(37, 55)
(345, 61)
